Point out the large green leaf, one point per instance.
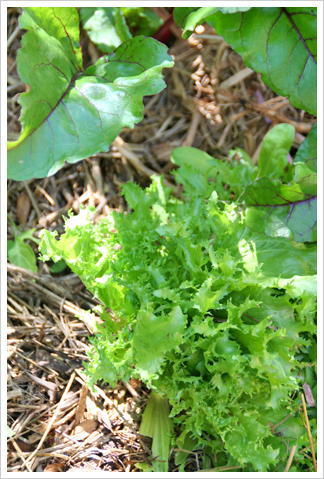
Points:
(278, 257)
(106, 26)
(281, 44)
(68, 115)
(281, 210)
(278, 42)
(46, 62)
(59, 22)
(189, 17)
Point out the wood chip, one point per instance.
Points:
(84, 429)
(23, 208)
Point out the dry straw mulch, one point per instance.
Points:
(212, 102)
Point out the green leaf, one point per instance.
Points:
(259, 456)
(157, 425)
(82, 113)
(154, 336)
(216, 318)
(61, 23)
(21, 254)
(278, 42)
(274, 149)
(278, 257)
(106, 26)
(186, 444)
(200, 173)
(189, 17)
(144, 467)
(29, 234)
(10, 432)
(58, 267)
(197, 159)
(281, 210)
(306, 163)
(38, 66)
(307, 152)
(281, 44)
(141, 20)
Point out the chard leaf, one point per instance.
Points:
(288, 211)
(278, 42)
(189, 17)
(281, 210)
(307, 152)
(82, 112)
(281, 44)
(274, 150)
(142, 20)
(61, 23)
(106, 26)
(306, 163)
(277, 257)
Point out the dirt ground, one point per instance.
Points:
(212, 102)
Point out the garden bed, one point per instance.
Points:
(212, 102)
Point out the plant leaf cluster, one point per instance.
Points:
(209, 299)
(204, 310)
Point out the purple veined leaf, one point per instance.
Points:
(307, 152)
(278, 42)
(80, 113)
(281, 210)
(189, 17)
